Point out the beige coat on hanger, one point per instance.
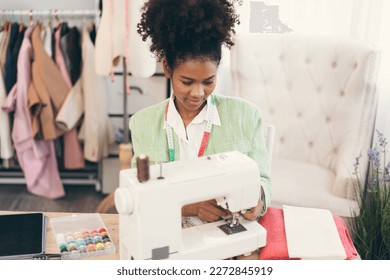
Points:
(111, 36)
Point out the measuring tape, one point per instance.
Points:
(206, 133)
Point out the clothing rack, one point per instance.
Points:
(91, 174)
(53, 13)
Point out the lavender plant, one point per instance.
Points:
(370, 226)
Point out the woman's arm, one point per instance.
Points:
(206, 211)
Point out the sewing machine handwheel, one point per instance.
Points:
(124, 201)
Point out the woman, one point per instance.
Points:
(187, 37)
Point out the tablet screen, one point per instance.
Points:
(22, 235)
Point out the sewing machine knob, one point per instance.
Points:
(124, 201)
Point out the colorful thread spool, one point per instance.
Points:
(72, 247)
(143, 173)
(81, 242)
(91, 247)
(60, 238)
(89, 240)
(100, 246)
(107, 239)
(82, 249)
(97, 239)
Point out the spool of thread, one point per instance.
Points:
(143, 168)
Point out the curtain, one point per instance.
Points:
(360, 19)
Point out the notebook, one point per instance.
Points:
(22, 235)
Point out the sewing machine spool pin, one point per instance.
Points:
(161, 176)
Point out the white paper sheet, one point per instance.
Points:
(312, 234)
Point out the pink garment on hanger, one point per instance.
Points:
(36, 158)
(73, 154)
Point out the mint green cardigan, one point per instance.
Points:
(241, 130)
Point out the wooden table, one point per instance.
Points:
(112, 225)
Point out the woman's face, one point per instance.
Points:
(192, 82)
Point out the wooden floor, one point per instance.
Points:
(83, 199)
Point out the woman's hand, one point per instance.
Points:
(207, 211)
(252, 214)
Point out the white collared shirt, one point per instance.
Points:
(190, 137)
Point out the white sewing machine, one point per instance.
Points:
(150, 212)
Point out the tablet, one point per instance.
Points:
(22, 235)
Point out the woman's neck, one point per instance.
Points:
(187, 116)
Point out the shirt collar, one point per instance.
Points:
(174, 118)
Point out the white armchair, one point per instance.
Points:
(319, 93)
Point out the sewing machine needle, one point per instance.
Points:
(161, 176)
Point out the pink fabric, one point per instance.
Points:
(350, 249)
(36, 158)
(73, 154)
(276, 246)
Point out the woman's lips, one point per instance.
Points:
(195, 101)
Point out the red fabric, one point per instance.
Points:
(276, 246)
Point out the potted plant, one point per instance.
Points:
(371, 224)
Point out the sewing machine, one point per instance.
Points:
(150, 212)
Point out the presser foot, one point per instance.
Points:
(232, 230)
(232, 226)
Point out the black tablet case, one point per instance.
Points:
(22, 235)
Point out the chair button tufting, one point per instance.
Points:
(311, 144)
(342, 93)
(271, 111)
(307, 60)
(355, 66)
(281, 57)
(319, 89)
(328, 119)
(334, 64)
(282, 140)
(299, 115)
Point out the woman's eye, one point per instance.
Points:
(187, 83)
(208, 82)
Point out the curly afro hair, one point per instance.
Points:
(186, 29)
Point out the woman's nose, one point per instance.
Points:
(198, 91)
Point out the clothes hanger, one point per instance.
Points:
(57, 19)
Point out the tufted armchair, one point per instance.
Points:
(319, 93)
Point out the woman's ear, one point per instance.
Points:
(167, 70)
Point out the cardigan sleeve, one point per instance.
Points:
(260, 155)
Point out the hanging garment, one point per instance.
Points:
(36, 157)
(73, 154)
(9, 79)
(3, 35)
(47, 92)
(114, 38)
(89, 97)
(92, 33)
(15, 54)
(71, 50)
(96, 131)
(6, 149)
(3, 54)
(46, 39)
